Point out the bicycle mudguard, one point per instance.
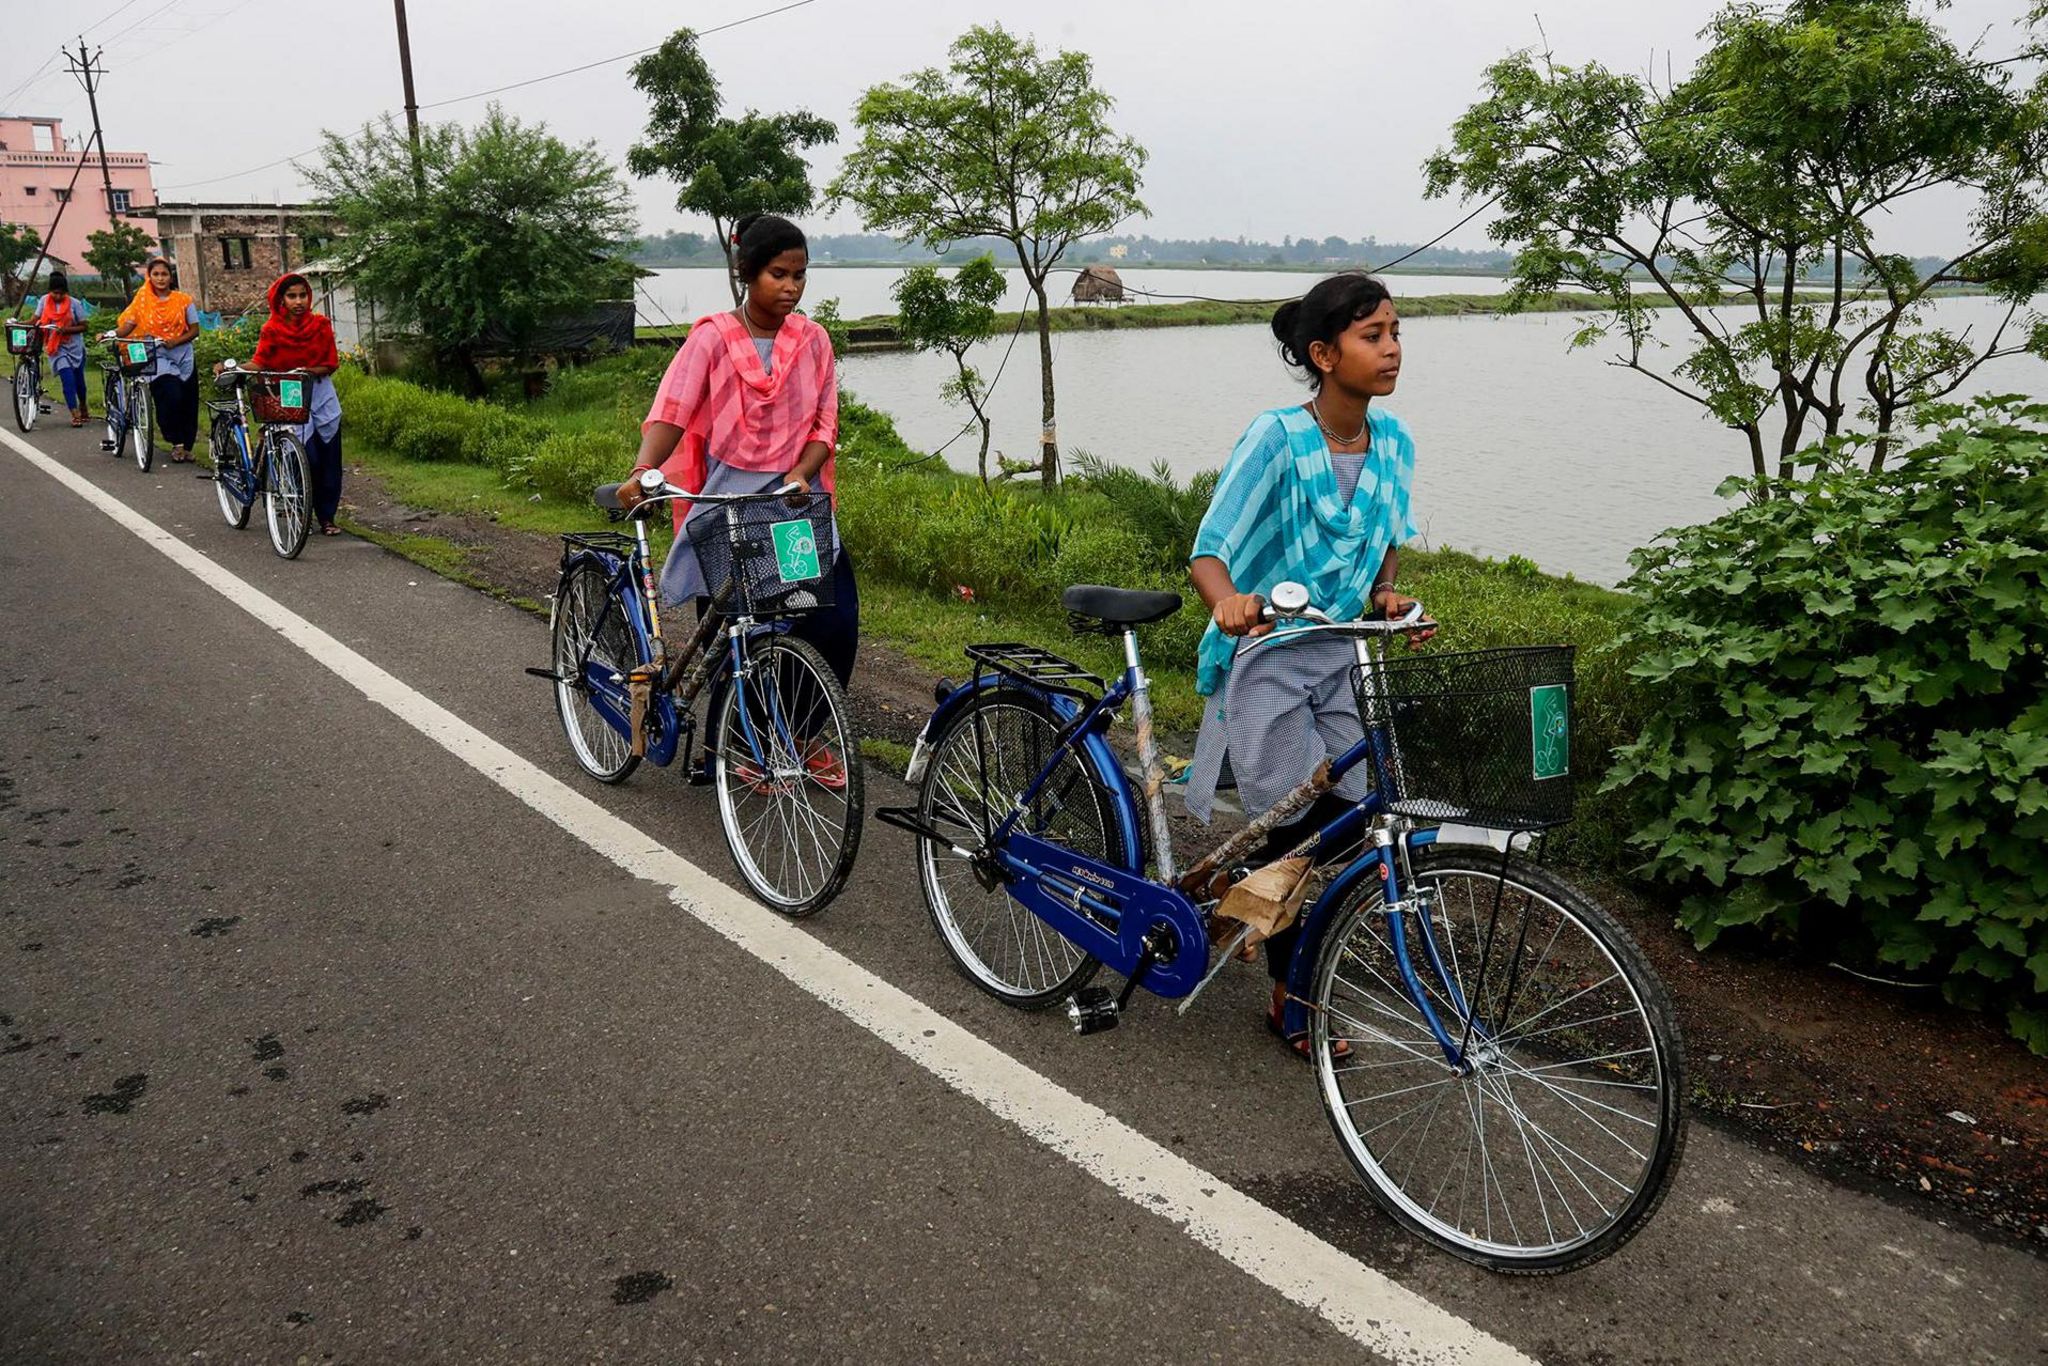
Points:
(1108, 912)
(612, 700)
(1064, 709)
(1315, 924)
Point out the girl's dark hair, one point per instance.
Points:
(59, 280)
(762, 237)
(1322, 314)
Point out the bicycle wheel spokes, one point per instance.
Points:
(588, 637)
(230, 487)
(286, 505)
(789, 777)
(27, 395)
(978, 767)
(141, 439)
(1552, 1141)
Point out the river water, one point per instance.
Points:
(1524, 446)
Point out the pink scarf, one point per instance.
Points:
(731, 410)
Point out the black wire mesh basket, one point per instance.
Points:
(135, 355)
(1479, 738)
(770, 557)
(24, 339)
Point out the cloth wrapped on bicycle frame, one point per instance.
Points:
(770, 557)
(1270, 898)
(23, 339)
(1478, 738)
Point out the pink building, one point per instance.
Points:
(36, 166)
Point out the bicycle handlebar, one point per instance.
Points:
(1290, 603)
(655, 489)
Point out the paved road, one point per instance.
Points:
(328, 1040)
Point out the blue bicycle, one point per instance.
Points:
(783, 759)
(25, 342)
(124, 390)
(1496, 1057)
(272, 468)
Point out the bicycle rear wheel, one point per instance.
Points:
(1558, 1140)
(788, 772)
(141, 438)
(114, 403)
(287, 503)
(589, 639)
(28, 395)
(985, 757)
(230, 473)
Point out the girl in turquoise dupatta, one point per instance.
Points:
(1316, 493)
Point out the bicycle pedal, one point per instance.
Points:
(1093, 1010)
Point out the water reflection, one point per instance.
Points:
(1524, 447)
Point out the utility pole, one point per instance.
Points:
(88, 70)
(412, 108)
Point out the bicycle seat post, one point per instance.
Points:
(1149, 761)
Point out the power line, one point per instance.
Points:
(499, 90)
(124, 5)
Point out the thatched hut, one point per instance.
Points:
(1098, 285)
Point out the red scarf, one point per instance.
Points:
(52, 317)
(288, 343)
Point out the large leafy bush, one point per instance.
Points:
(1850, 738)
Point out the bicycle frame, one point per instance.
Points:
(677, 681)
(1122, 917)
(255, 463)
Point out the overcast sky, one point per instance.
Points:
(1263, 120)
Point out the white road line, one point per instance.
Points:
(1356, 1300)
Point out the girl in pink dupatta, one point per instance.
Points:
(749, 404)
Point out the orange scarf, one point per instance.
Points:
(160, 318)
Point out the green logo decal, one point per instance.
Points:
(1550, 730)
(17, 336)
(138, 352)
(796, 550)
(291, 393)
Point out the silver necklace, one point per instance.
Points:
(1331, 436)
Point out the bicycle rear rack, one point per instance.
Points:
(607, 542)
(1037, 668)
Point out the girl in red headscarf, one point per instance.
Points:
(296, 338)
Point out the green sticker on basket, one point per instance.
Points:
(291, 393)
(138, 352)
(1550, 730)
(17, 336)
(796, 550)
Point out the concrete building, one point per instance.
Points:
(44, 184)
(227, 254)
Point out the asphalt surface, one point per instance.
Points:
(319, 1045)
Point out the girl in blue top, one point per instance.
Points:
(1316, 493)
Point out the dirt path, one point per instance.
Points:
(1882, 1087)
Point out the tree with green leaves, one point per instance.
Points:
(117, 253)
(513, 226)
(1751, 196)
(953, 316)
(1003, 142)
(724, 168)
(20, 244)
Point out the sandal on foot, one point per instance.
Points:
(329, 529)
(1298, 1042)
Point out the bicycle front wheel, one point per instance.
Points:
(141, 439)
(1556, 1139)
(230, 476)
(788, 772)
(287, 504)
(28, 395)
(592, 636)
(985, 757)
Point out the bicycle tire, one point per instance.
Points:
(1629, 1090)
(286, 480)
(141, 437)
(1076, 807)
(230, 479)
(598, 748)
(114, 403)
(798, 712)
(28, 395)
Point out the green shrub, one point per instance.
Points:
(1849, 740)
(568, 465)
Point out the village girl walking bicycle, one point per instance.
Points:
(165, 314)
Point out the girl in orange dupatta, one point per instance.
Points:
(62, 319)
(163, 311)
(750, 404)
